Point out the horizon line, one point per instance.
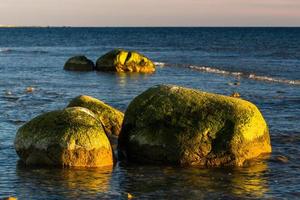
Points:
(218, 26)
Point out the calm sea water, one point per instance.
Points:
(264, 61)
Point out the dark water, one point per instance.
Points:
(265, 61)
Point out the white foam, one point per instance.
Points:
(241, 74)
(161, 64)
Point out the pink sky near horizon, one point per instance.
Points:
(150, 12)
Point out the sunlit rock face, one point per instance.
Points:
(174, 125)
(125, 61)
(110, 118)
(72, 137)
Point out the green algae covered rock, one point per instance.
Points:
(79, 63)
(125, 61)
(72, 137)
(110, 118)
(174, 125)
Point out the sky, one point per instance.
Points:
(150, 12)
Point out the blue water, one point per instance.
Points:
(264, 61)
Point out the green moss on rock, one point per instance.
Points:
(69, 137)
(110, 118)
(79, 63)
(175, 125)
(125, 61)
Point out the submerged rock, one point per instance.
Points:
(125, 61)
(66, 138)
(175, 125)
(79, 63)
(110, 118)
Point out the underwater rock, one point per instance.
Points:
(72, 137)
(125, 61)
(169, 124)
(110, 118)
(79, 63)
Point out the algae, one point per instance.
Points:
(120, 60)
(176, 125)
(110, 118)
(69, 137)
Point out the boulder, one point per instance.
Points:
(79, 63)
(125, 61)
(110, 118)
(174, 125)
(72, 137)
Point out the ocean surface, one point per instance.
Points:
(262, 64)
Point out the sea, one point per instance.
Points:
(261, 64)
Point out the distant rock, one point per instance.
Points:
(72, 137)
(79, 63)
(110, 118)
(125, 61)
(169, 124)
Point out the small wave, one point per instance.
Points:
(244, 75)
(7, 50)
(161, 64)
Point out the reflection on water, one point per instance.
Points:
(67, 183)
(143, 182)
(124, 78)
(195, 183)
(250, 179)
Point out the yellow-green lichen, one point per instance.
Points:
(120, 60)
(110, 118)
(187, 126)
(53, 137)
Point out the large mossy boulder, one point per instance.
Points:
(125, 61)
(110, 118)
(72, 137)
(79, 63)
(174, 125)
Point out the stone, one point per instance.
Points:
(29, 89)
(119, 60)
(174, 125)
(110, 118)
(72, 137)
(9, 198)
(236, 95)
(79, 63)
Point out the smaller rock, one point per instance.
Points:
(29, 89)
(9, 198)
(235, 95)
(72, 137)
(234, 83)
(110, 118)
(129, 196)
(79, 63)
(8, 93)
